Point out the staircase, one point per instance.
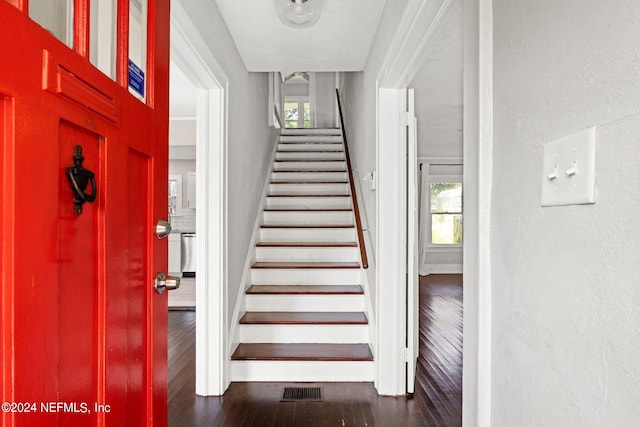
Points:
(305, 314)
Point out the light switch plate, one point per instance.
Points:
(569, 170)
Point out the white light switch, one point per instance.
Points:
(569, 170)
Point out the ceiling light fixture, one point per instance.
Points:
(298, 13)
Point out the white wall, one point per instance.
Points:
(296, 89)
(250, 139)
(360, 108)
(325, 100)
(566, 286)
(438, 109)
(438, 91)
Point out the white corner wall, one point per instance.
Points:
(360, 100)
(325, 100)
(566, 287)
(250, 140)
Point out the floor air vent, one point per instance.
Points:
(304, 394)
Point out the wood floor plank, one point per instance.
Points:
(305, 289)
(305, 265)
(325, 352)
(303, 318)
(439, 370)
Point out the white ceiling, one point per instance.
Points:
(339, 41)
(438, 86)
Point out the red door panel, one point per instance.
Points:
(81, 323)
(138, 214)
(78, 258)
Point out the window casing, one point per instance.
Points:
(297, 112)
(445, 196)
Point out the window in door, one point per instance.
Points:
(56, 16)
(446, 213)
(297, 112)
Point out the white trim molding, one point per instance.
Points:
(408, 51)
(477, 185)
(410, 45)
(443, 269)
(390, 366)
(190, 52)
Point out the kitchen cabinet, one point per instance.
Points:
(175, 254)
(175, 195)
(191, 190)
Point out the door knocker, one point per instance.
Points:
(79, 177)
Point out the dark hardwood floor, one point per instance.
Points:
(436, 402)
(439, 372)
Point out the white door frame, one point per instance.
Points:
(192, 55)
(407, 53)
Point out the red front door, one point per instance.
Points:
(83, 331)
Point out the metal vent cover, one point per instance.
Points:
(298, 394)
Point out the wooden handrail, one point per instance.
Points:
(363, 251)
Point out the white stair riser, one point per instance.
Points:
(307, 334)
(337, 147)
(308, 202)
(303, 371)
(307, 131)
(342, 189)
(307, 234)
(303, 302)
(318, 254)
(321, 139)
(309, 176)
(310, 276)
(333, 165)
(309, 155)
(308, 218)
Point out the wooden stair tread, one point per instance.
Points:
(307, 244)
(310, 170)
(310, 352)
(305, 210)
(303, 318)
(305, 290)
(338, 145)
(307, 226)
(305, 265)
(309, 160)
(308, 195)
(309, 182)
(310, 151)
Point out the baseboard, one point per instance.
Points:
(234, 330)
(441, 269)
(368, 274)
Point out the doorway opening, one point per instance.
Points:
(182, 188)
(297, 100)
(208, 198)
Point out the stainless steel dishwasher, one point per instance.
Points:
(188, 254)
